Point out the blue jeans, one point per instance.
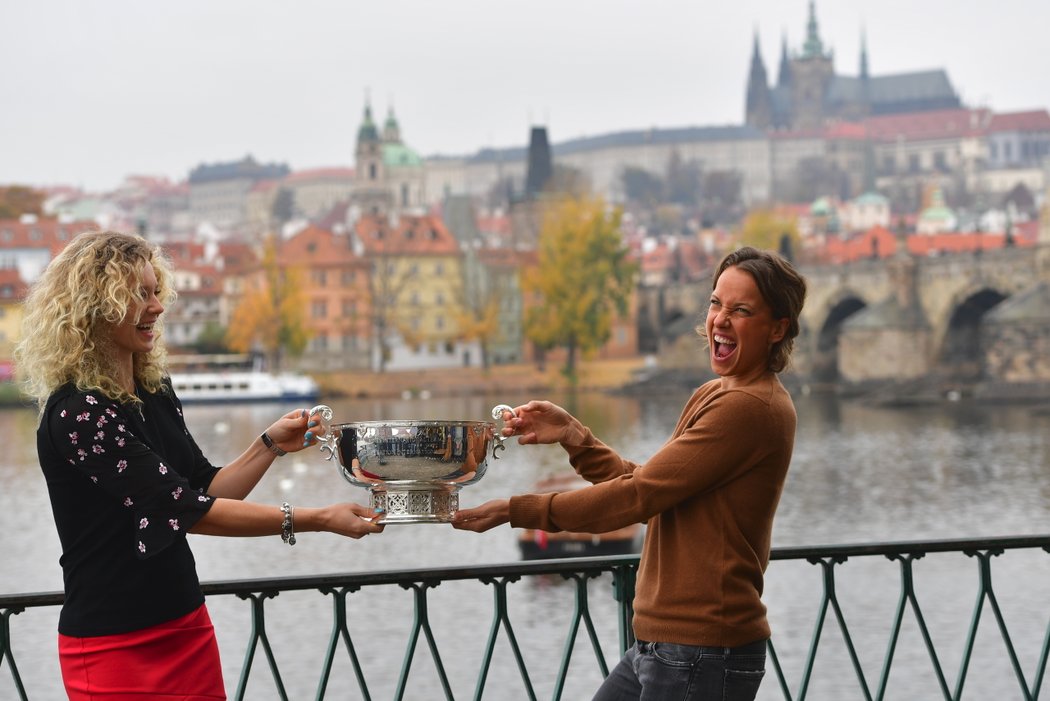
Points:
(669, 672)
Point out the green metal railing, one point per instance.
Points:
(578, 572)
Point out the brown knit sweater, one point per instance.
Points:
(708, 495)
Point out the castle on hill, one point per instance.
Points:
(808, 92)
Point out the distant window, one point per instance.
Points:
(319, 309)
(372, 171)
(347, 277)
(404, 195)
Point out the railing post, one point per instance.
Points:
(908, 596)
(421, 621)
(623, 591)
(985, 591)
(6, 651)
(581, 612)
(500, 618)
(259, 634)
(831, 597)
(340, 628)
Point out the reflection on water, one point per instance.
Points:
(859, 474)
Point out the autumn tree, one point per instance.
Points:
(390, 277)
(271, 316)
(16, 200)
(765, 228)
(478, 314)
(583, 278)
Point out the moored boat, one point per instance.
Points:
(537, 545)
(227, 379)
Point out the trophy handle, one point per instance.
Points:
(497, 414)
(328, 440)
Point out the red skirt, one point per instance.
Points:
(178, 659)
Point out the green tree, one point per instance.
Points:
(682, 181)
(271, 317)
(641, 186)
(212, 339)
(583, 278)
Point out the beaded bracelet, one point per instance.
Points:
(288, 526)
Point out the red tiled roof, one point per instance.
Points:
(845, 130)
(424, 235)
(883, 242)
(315, 246)
(919, 126)
(45, 232)
(1033, 120)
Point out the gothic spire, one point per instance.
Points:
(784, 74)
(863, 55)
(814, 47)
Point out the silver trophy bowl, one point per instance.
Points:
(411, 469)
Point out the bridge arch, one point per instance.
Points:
(824, 366)
(960, 353)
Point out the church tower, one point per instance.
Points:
(369, 192)
(759, 109)
(811, 75)
(369, 154)
(391, 129)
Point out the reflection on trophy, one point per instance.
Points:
(412, 469)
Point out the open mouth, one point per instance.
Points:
(723, 347)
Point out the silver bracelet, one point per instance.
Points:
(288, 526)
(274, 448)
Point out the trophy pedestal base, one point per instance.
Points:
(423, 504)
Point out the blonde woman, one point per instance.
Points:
(127, 481)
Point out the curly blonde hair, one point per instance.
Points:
(92, 285)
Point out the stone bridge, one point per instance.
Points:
(964, 317)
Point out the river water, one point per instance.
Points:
(860, 474)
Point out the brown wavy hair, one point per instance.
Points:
(70, 310)
(781, 287)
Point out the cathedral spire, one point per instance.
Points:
(784, 74)
(814, 47)
(759, 107)
(863, 54)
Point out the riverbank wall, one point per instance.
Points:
(517, 382)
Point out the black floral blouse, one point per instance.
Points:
(125, 483)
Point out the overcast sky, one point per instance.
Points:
(94, 91)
